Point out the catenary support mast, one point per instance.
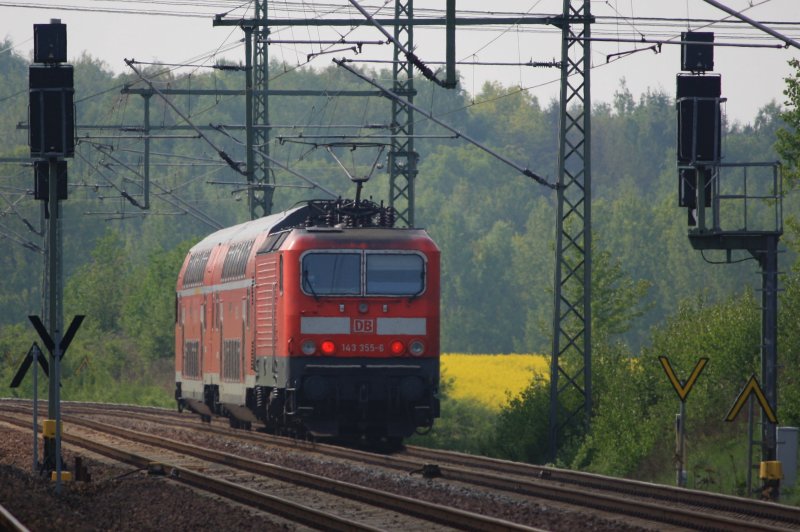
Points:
(403, 157)
(571, 362)
(262, 182)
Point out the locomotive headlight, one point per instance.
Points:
(397, 347)
(416, 348)
(308, 347)
(328, 347)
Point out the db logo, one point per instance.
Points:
(363, 326)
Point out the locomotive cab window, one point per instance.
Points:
(395, 274)
(356, 274)
(327, 274)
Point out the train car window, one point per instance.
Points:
(395, 274)
(279, 242)
(236, 260)
(280, 274)
(273, 242)
(331, 274)
(196, 268)
(269, 243)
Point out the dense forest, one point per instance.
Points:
(495, 227)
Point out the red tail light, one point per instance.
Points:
(328, 347)
(397, 347)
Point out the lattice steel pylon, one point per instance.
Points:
(572, 350)
(261, 184)
(402, 157)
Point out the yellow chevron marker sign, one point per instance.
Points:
(752, 387)
(683, 389)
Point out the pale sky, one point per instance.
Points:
(751, 77)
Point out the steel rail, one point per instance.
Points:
(269, 503)
(722, 502)
(9, 522)
(541, 479)
(406, 505)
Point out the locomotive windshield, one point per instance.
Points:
(394, 274)
(340, 273)
(332, 274)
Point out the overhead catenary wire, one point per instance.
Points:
(327, 9)
(644, 40)
(223, 155)
(297, 6)
(174, 200)
(410, 55)
(524, 171)
(286, 168)
(762, 27)
(12, 206)
(8, 234)
(538, 64)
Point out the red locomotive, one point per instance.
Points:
(323, 318)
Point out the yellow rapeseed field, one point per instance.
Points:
(489, 378)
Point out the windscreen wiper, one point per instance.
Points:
(307, 282)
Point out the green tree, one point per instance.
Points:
(98, 288)
(521, 432)
(522, 427)
(149, 309)
(788, 144)
(632, 427)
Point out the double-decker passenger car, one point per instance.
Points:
(323, 318)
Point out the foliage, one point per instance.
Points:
(632, 426)
(617, 301)
(789, 349)
(98, 288)
(15, 341)
(464, 424)
(788, 144)
(521, 432)
(495, 228)
(149, 310)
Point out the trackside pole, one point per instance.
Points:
(54, 300)
(36, 413)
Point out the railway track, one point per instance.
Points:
(10, 523)
(664, 504)
(702, 500)
(423, 513)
